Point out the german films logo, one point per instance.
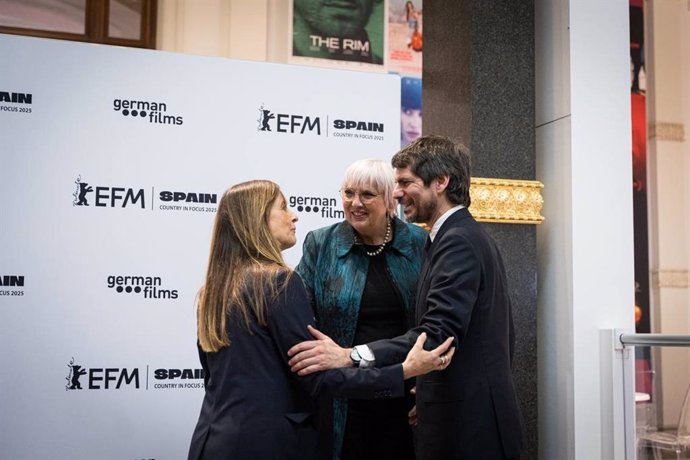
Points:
(325, 207)
(154, 112)
(12, 285)
(15, 102)
(148, 287)
(86, 194)
(291, 123)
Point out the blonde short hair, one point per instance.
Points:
(376, 174)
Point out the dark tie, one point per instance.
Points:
(427, 246)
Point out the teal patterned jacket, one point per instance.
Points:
(334, 276)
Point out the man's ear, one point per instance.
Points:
(440, 184)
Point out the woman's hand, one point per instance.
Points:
(419, 361)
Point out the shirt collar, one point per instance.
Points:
(441, 220)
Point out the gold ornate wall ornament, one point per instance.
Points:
(506, 201)
(667, 131)
(669, 278)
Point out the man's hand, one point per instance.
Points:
(412, 416)
(318, 355)
(419, 361)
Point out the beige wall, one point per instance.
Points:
(667, 52)
(241, 29)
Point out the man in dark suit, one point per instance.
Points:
(469, 410)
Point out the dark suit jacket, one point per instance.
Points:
(254, 407)
(470, 410)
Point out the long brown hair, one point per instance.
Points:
(243, 264)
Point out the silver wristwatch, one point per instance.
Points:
(362, 356)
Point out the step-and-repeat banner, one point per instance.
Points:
(112, 162)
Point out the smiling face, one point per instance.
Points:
(420, 203)
(281, 223)
(365, 209)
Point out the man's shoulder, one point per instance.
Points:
(460, 222)
(463, 230)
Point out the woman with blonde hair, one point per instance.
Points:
(251, 310)
(362, 275)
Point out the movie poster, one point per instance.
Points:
(410, 109)
(405, 38)
(639, 159)
(350, 35)
(346, 34)
(638, 88)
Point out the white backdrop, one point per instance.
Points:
(89, 371)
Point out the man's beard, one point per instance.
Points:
(424, 211)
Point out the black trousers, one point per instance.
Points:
(378, 430)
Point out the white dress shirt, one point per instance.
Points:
(441, 220)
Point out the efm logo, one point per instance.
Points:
(288, 122)
(105, 196)
(86, 194)
(100, 378)
(299, 123)
(80, 377)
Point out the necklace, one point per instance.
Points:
(380, 249)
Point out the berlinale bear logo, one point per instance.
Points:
(265, 117)
(80, 194)
(75, 371)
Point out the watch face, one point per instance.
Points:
(354, 356)
(365, 352)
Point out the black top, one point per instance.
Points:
(378, 430)
(381, 313)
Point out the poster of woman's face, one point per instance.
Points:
(405, 37)
(410, 109)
